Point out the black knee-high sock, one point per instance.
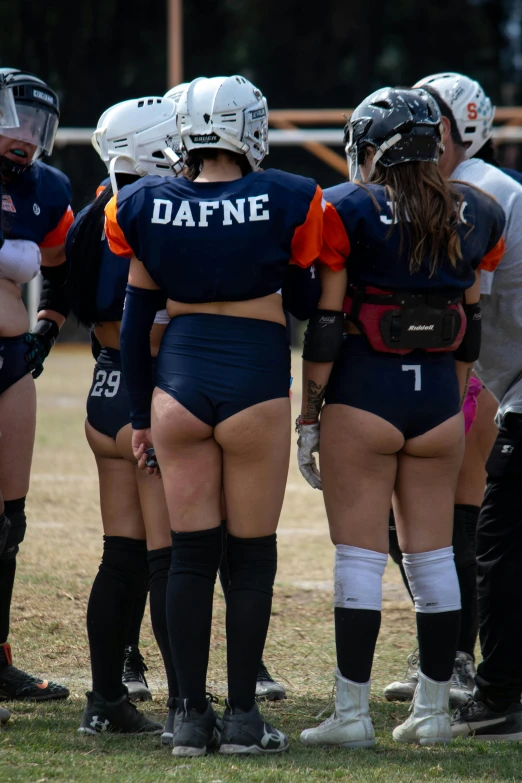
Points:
(7, 577)
(14, 510)
(356, 632)
(159, 564)
(465, 548)
(224, 573)
(195, 562)
(121, 578)
(133, 635)
(438, 636)
(252, 564)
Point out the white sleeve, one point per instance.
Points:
(20, 260)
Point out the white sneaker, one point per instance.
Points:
(462, 680)
(350, 726)
(429, 722)
(403, 690)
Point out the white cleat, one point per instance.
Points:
(350, 726)
(429, 722)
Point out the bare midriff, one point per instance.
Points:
(108, 335)
(266, 308)
(13, 315)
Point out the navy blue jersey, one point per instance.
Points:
(218, 241)
(364, 238)
(36, 206)
(112, 276)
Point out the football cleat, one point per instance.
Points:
(17, 685)
(122, 716)
(194, 732)
(266, 687)
(246, 733)
(134, 675)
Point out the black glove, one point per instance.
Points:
(40, 342)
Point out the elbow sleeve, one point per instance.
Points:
(55, 293)
(141, 306)
(469, 349)
(324, 336)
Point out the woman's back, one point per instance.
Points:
(218, 241)
(360, 225)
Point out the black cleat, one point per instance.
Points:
(168, 731)
(247, 733)
(120, 716)
(194, 732)
(16, 685)
(134, 675)
(4, 716)
(266, 687)
(480, 720)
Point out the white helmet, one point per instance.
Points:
(227, 113)
(469, 104)
(139, 137)
(175, 93)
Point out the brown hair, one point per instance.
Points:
(427, 206)
(196, 157)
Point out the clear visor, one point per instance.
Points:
(38, 127)
(8, 114)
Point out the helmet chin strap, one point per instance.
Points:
(380, 152)
(176, 162)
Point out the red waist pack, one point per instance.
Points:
(401, 322)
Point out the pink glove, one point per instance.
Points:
(470, 403)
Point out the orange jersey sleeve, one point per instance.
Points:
(336, 245)
(56, 237)
(115, 236)
(307, 239)
(492, 259)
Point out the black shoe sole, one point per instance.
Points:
(249, 750)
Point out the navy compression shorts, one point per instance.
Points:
(218, 365)
(415, 392)
(108, 406)
(13, 365)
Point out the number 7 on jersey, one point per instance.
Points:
(416, 368)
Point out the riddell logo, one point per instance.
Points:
(421, 328)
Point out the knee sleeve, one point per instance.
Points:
(395, 550)
(252, 563)
(15, 513)
(465, 534)
(433, 580)
(125, 560)
(358, 578)
(197, 553)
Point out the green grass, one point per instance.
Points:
(57, 564)
(41, 744)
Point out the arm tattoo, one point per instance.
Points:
(466, 385)
(314, 399)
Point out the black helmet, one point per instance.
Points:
(38, 112)
(401, 124)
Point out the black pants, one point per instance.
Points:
(499, 558)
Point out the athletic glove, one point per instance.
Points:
(307, 445)
(40, 341)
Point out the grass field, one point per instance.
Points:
(56, 567)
